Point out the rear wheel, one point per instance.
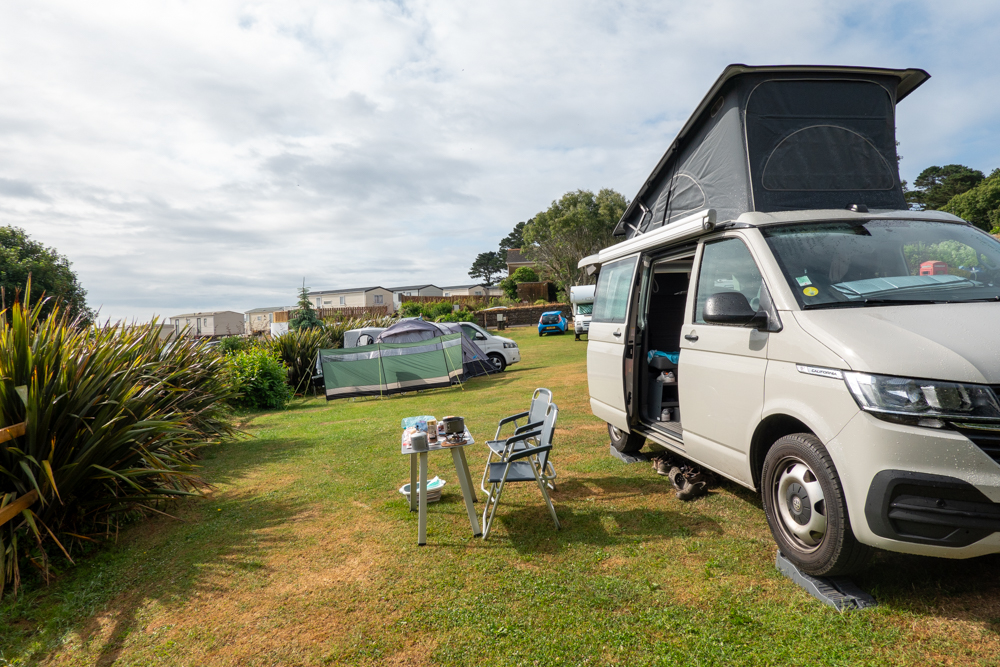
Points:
(805, 508)
(626, 443)
(499, 363)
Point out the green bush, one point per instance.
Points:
(540, 302)
(233, 344)
(113, 419)
(260, 378)
(457, 316)
(411, 309)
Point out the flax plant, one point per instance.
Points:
(114, 417)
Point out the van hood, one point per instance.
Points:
(954, 341)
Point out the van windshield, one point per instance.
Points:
(581, 309)
(886, 262)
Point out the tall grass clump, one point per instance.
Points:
(113, 417)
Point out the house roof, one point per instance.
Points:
(405, 287)
(213, 312)
(514, 256)
(346, 291)
(270, 309)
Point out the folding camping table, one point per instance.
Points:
(461, 469)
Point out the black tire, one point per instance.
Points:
(805, 508)
(626, 443)
(499, 363)
(539, 335)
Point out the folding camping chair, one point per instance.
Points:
(522, 466)
(540, 401)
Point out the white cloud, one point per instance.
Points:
(210, 155)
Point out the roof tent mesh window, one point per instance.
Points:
(823, 143)
(826, 157)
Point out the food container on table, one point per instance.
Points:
(418, 442)
(453, 425)
(432, 430)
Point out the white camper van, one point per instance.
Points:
(582, 298)
(834, 351)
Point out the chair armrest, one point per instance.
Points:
(522, 436)
(528, 427)
(528, 452)
(507, 420)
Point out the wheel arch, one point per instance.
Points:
(768, 431)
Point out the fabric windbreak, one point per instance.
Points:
(388, 368)
(613, 288)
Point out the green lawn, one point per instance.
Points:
(306, 554)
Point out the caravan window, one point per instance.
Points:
(613, 287)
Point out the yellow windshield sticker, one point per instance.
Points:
(810, 291)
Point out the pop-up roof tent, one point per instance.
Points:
(778, 139)
(409, 355)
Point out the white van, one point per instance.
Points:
(582, 299)
(502, 351)
(844, 363)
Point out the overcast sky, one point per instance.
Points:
(211, 155)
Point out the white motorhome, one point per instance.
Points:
(582, 299)
(837, 352)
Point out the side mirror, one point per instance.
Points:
(732, 308)
(479, 336)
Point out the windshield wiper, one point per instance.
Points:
(862, 303)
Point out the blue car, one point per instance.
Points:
(552, 322)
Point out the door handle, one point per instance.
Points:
(617, 334)
(691, 336)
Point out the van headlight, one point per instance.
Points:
(506, 346)
(921, 402)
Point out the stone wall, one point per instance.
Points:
(520, 316)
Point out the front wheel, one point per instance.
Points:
(805, 508)
(626, 443)
(499, 363)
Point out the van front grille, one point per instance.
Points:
(987, 440)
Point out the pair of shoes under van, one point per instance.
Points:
(662, 464)
(689, 484)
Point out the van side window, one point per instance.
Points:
(613, 287)
(726, 266)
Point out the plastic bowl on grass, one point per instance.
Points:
(434, 487)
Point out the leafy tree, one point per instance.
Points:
(513, 240)
(50, 274)
(305, 317)
(577, 225)
(980, 205)
(935, 186)
(523, 274)
(488, 267)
